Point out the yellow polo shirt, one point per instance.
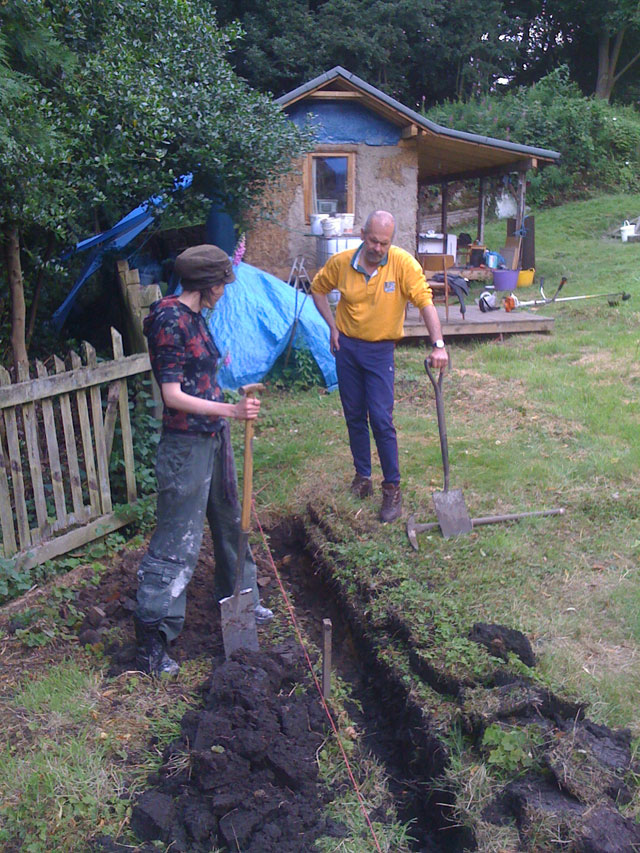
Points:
(374, 309)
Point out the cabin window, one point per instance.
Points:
(330, 181)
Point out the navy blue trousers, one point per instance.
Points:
(365, 378)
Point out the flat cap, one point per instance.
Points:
(200, 267)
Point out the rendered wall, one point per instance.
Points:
(386, 177)
(275, 233)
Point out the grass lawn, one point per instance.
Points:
(534, 422)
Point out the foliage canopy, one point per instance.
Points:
(105, 103)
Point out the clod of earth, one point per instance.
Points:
(247, 776)
(499, 641)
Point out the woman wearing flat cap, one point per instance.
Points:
(194, 467)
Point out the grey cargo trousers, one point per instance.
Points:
(189, 470)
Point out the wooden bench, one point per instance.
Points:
(430, 263)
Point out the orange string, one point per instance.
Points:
(317, 683)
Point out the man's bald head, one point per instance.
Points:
(380, 218)
(377, 235)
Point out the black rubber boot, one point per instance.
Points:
(151, 651)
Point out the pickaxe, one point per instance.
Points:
(414, 529)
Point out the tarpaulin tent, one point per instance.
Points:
(253, 322)
(252, 326)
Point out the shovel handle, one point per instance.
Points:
(442, 428)
(247, 467)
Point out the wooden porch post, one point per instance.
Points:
(481, 197)
(522, 196)
(443, 220)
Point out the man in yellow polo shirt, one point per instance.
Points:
(375, 283)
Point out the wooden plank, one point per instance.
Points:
(133, 295)
(9, 545)
(149, 294)
(87, 442)
(95, 529)
(476, 323)
(98, 434)
(511, 251)
(334, 95)
(30, 421)
(70, 381)
(15, 463)
(125, 425)
(75, 482)
(515, 261)
(123, 268)
(55, 469)
(132, 277)
(113, 395)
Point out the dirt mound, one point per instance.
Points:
(243, 774)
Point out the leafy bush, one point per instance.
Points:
(510, 750)
(146, 435)
(297, 372)
(599, 143)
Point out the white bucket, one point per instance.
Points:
(332, 226)
(316, 222)
(627, 230)
(347, 222)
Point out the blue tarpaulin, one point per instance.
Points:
(115, 238)
(252, 326)
(253, 322)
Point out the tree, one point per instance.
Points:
(618, 24)
(140, 92)
(414, 50)
(30, 136)
(548, 34)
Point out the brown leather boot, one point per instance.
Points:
(361, 487)
(391, 502)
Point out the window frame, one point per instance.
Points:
(308, 179)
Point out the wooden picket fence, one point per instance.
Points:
(56, 439)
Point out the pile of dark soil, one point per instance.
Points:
(243, 774)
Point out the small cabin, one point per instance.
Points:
(371, 152)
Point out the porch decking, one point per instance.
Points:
(476, 323)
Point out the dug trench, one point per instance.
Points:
(243, 775)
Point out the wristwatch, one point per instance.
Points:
(438, 344)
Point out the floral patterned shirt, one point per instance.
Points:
(182, 350)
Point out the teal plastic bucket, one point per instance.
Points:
(505, 279)
(491, 260)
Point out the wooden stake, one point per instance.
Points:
(326, 658)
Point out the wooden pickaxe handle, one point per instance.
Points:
(247, 469)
